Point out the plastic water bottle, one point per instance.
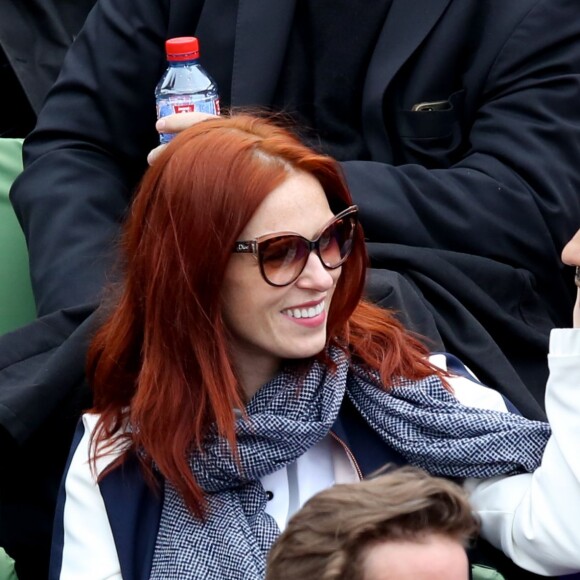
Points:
(185, 86)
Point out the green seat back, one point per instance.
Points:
(16, 300)
(7, 571)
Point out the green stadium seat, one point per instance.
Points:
(16, 299)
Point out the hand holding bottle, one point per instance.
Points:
(185, 94)
(175, 124)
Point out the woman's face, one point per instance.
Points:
(263, 319)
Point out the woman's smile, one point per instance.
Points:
(309, 314)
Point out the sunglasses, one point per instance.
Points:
(282, 256)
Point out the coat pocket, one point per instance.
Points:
(432, 135)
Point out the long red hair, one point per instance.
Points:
(159, 363)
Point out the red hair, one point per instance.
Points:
(160, 361)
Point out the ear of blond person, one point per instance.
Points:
(175, 124)
(571, 257)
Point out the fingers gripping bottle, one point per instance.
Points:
(185, 86)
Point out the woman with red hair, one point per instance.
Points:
(238, 371)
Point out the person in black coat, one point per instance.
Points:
(457, 124)
(34, 37)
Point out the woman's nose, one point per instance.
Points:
(315, 275)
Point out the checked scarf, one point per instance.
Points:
(290, 414)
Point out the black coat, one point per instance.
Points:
(493, 176)
(35, 36)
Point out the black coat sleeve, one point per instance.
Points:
(89, 149)
(514, 195)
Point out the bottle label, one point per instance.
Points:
(184, 104)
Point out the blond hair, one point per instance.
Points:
(329, 536)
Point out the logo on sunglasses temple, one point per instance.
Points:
(243, 247)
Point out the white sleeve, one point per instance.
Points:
(88, 550)
(534, 518)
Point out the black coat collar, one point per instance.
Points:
(253, 57)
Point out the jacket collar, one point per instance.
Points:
(253, 57)
(407, 25)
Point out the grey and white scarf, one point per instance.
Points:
(421, 420)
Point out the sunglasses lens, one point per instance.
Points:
(283, 258)
(335, 242)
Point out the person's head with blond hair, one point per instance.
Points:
(402, 525)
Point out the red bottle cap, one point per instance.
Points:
(182, 48)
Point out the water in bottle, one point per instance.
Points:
(185, 86)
